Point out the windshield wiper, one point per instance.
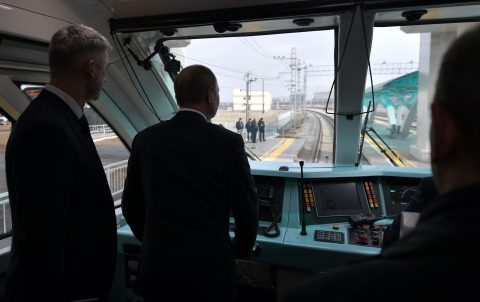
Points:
(251, 154)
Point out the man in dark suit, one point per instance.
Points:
(184, 177)
(438, 260)
(64, 228)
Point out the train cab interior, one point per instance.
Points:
(344, 87)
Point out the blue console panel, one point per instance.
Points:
(333, 195)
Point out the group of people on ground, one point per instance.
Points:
(253, 127)
(186, 175)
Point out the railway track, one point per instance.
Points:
(322, 147)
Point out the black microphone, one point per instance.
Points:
(304, 225)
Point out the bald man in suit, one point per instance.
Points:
(184, 177)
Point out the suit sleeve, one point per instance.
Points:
(133, 202)
(244, 202)
(43, 176)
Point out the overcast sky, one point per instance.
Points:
(231, 58)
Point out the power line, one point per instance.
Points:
(226, 68)
(218, 66)
(260, 47)
(228, 76)
(377, 68)
(252, 47)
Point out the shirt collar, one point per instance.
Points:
(77, 110)
(194, 110)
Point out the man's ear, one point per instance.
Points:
(210, 95)
(89, 69)
(445, 133)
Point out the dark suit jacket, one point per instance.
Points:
(64, 228)
(438, 261)
(184, 176)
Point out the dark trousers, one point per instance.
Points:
(253, 136)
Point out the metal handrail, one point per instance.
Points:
(101, 129)
(115, 173)
(391, 154)
(3, 198)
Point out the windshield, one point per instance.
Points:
(273, 90)
(397, 133)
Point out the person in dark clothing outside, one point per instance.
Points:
(239, 126)
(253, 130)
(439, 256)
(248, 127)
(261, 129)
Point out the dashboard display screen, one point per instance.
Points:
(336, 198)
(398, 192)
(401, 194)
(270, 197)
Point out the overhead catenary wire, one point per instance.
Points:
(249, 45)
(266, 78)
(361, 8)
(260, 47)
(147, 102)
(368, 60)
(211, 64)
(115, 40)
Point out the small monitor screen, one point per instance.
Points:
(270, 197)
(401, 194)
(398, 192)
(336, 198)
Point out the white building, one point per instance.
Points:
(259, 100)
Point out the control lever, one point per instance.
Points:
(256, 250)
(303, 232)
(361, 219)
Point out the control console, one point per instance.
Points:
(366, 235)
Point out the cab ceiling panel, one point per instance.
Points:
(247, 28)
(146, 15)
(141, 8)
(431, 15)
(28, 24)
(236, 11)
(38, 20)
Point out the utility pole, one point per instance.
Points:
(263, 95)
(246, 97)
(304, 99)
(292, 85)
(293, 82)
(248, 82)
(298, 95)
